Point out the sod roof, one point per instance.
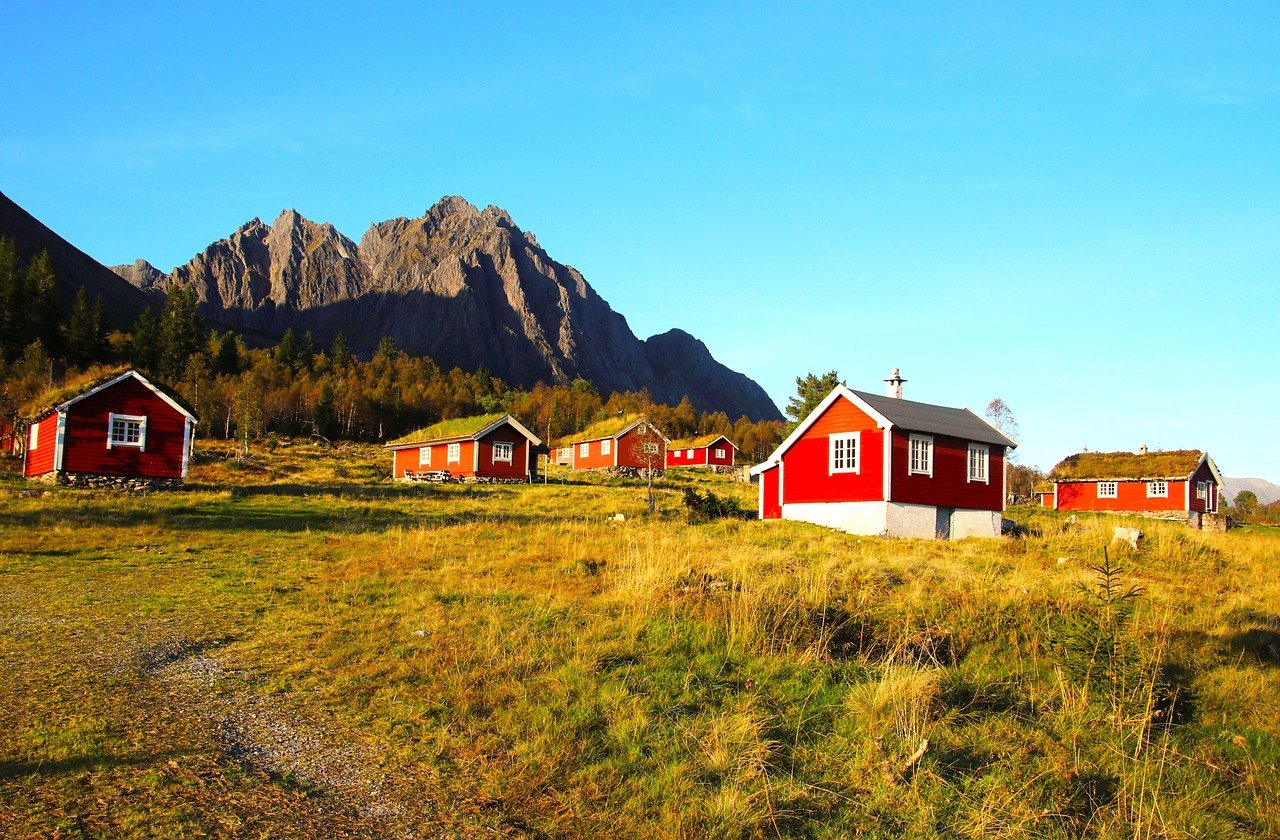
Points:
(609, 428)
(697, 442)
(1090, 466)
(84, 382)
(457, 427)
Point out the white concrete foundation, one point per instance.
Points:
(894, 519)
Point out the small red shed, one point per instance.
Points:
(882, 465)
(487, 447)
(1178, 484)
(627, 441)
(115, 429)
(705, 451)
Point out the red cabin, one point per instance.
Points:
(629, 441)
(883, 465)
(489, 447)
(1179, 484)
(117, 429)
(705, 451)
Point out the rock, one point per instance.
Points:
(1131, 537)
(466, 287)
(422, 634)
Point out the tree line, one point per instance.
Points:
(297, 388)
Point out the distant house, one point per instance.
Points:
(488, 447)
(705, 451)
(628, 441)
(113, 428)
(1181, 483)
(870, 464)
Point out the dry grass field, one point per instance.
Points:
(296, 646)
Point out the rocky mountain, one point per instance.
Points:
(1266, 491)
(462, 285)
(121, 302)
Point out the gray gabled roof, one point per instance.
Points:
(935, 419)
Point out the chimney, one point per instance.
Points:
(894, 388)
(1142, 450)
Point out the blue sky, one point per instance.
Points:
(1073, 207)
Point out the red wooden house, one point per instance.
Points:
(883, 465)
(112, 429)
(705, 451)
(489, 447)
(628, 441)
(1182, 483)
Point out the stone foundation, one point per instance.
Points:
(98, 481)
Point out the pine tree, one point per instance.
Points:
(810, 390)
(41, 294)
(387, 349)
(227, 358)
(12, 315)
(85, 340)
(307, 352)
(287, 350)
(326, 414)
(340, 354)
(182, 332)
(147, 348)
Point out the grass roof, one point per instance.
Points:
(1085, 466)
(458, 427)
(89, 379)
(695, 442)
(603, 429)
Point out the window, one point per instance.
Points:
(503, 451)
(688, 453)
(584, 449)
(606, 447)
(651, 449)
(1107, 490)
(454, 455)
(127, 430)
(979, 458)
(34, 440)
(424, 456)
(921, 462)
(1157, 489)
(1202, 489)
(842, 452)
(719, 453)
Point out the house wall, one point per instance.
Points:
(727, 459)
(806, 473)
(519, 466)
(408, 459)
(769, 506)
(88, 429)
(868, 518)
(1131, 496)
(949, 486)
(593, 460)
(1210, 503)
(696, 457)
(631, 450)
(39, 461)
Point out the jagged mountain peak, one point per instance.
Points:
(465, 286)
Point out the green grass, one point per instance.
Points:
(506, 660)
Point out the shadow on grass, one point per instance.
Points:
(10, 770)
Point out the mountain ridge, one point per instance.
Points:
(467, 287)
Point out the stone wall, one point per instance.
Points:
(127, 483)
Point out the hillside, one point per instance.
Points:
(122, 303)
(465, 286)
(294, 646)
(1266, 491)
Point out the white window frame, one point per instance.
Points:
(719, 453)
(33, 438)
(1202, 490)
(840, 462)
(1108, 489)
(1158, 489)
(500, 446)
(651, 448)
(983, 453)
(454, 454)
(584, 449)
(606, 447)
(688, 453)
(424, 456)
(922, 445)
(140, 419)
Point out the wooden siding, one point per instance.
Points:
(39, 461)
(1131, 496)
(593, 460)
(631, 450)
(769, 506)
(410, 458)
(949, 486)
(702, 456)
(88, 429)
(806, 469)
(519, 466)
(1210, 503)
